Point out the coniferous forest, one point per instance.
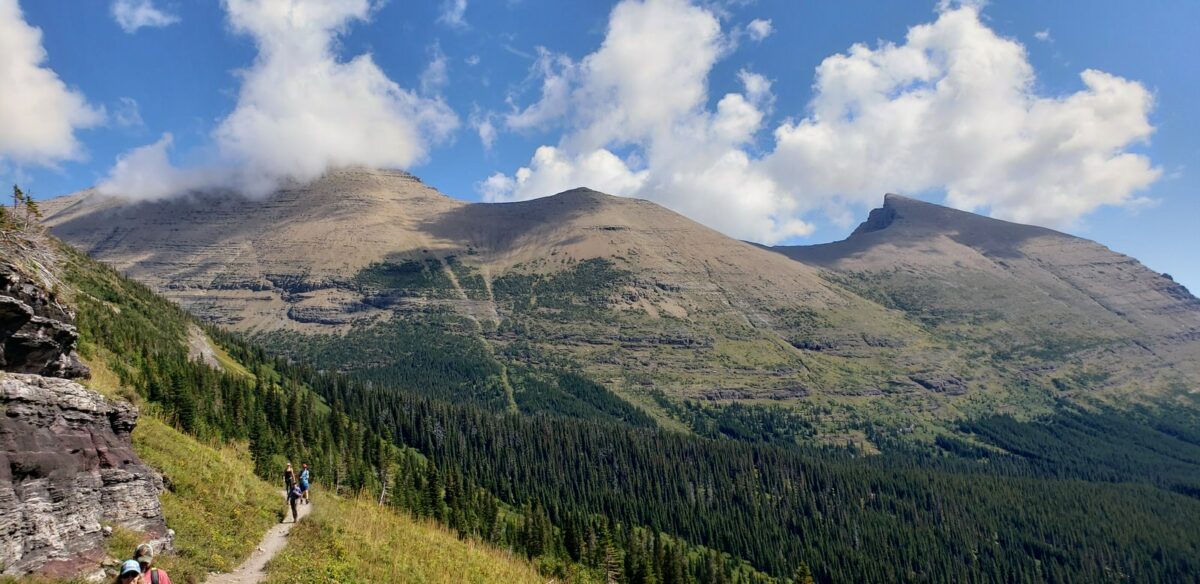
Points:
(597, 489)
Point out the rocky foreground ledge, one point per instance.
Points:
(67, 471)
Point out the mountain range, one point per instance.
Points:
(923, 315)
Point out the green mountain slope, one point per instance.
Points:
(239, 415)
(583, 494)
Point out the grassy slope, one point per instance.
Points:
(217, 506)
(358, 541)
(220, 509)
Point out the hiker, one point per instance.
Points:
(144, 555)
(289, 477)
(130, 573)
(293, 496)
(304, 483)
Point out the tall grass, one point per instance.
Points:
(359, 541)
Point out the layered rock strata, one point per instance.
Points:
(67, 470)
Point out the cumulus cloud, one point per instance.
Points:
(454, 13)
(645, 90)
(953, 109)
(300, 110)
(39, 114)
(134, 14)
(759, 29)
(1043, 35)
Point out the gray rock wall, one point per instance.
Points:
(37, 334)
(67, 469)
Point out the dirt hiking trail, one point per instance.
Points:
(252, 570)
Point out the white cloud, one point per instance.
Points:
(558, 74)
(472, 60)
(645, 89)
(454, 13)
(39, 114)
(143, 171)
(134, 14)
(300, 110)
(128, 113)
(1043, 35)
(759, 29)
(484, 126)
(952, 109)
(436, 75)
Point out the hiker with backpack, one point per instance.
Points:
(304, 483)
(144, 555)
(289, 477)
(293, 496)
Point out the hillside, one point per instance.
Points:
(582, 498)
(924, 317)
(183, 466)
(1039, 304)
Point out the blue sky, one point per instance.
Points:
(613, 128)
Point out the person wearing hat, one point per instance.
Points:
(130, 573)
(144, 555)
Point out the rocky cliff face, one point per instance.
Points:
(37, 334)
(67, 469)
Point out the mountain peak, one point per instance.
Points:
(906, 217)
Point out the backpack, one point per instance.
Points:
(154, 575)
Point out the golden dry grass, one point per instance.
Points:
(359, 541)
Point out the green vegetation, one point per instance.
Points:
(137, 340)
(837, 513)
(579, 291)
(469, 279)
(736, 421)
(218, 507)
(599, 493)
(438, 356)
(407, 278)
(358, 541)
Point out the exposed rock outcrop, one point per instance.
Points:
(37, 334)
(67, 469)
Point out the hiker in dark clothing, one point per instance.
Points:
(304, 483)
(293, 497)
(289, 477)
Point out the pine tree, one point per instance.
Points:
(32, 212)
(18, 198)
(803, 574)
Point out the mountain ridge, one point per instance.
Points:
(924, 312)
